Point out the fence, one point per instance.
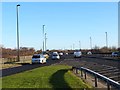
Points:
(97, 76)
(22, 59)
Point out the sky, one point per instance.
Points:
(66, 23)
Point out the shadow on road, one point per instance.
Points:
(57, 80)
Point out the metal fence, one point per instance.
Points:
(84, 71)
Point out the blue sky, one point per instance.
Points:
(65, 24)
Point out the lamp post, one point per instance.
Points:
(73, 46)
(18, 56)
(106, 40)
(91, 43)
(45, 42)
(43, 37)
(80, 45)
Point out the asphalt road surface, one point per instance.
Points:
(25, 67)
(107, 67)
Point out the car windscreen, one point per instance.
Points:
(77, 52)
(36, 56)
(55, 55)
(115, 52)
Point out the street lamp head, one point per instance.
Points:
(18, 5)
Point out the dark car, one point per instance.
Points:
(115, 54)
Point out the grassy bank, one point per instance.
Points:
(55, 76)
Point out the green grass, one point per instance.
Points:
(55, 76)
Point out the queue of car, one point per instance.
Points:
(42, 58)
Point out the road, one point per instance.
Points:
(109, 68)
(25, 67)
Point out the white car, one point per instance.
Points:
(66, 53)
(38, 58)
(55, 56)
(61, 54)
(77, 54)
(89, 53)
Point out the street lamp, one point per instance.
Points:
(18, 57)
(106, 40)
(45, 42)
(91, 43)
(43, 37)
(80, 45)
(73, 46)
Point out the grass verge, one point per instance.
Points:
(55, 76)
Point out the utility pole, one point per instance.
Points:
(18, 54)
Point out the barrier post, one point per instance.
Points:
(108, 86)
(96, 81)
(73, 68)
(81, 73)
(85, 74)
(110, 83)
(77, 70)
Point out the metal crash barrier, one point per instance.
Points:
(96, 76)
